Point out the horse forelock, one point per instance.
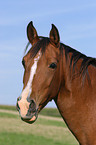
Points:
(41, 44)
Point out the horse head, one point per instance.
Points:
(41, 80)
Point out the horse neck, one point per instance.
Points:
(76, 101)
(65, 72)
(72, 90)
(64, 98)
(65, 86)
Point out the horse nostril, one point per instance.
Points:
(28, 99)
(19, 98)
(17, 107)
(32, 108)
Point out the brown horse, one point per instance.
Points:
(56, 71)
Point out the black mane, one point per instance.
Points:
(76, 55)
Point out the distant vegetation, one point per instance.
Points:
(46, 111)
(7, 107)
(50, 112)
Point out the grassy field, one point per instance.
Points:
(47, 130)
(46, 111)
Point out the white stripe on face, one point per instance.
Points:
(28, 89)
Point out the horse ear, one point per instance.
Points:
(32, 33)
(54, 36)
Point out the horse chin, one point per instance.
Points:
(31, 120)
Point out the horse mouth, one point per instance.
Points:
(29, 119)
(30, 114)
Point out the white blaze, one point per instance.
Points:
(28, 89)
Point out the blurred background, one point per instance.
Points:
(75, 20)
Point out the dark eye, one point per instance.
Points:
(23, 63)
(53, 65)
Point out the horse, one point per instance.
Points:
(55, 71)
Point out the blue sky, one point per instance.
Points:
(75, 20)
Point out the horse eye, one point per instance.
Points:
(23, 63)
(53, 65)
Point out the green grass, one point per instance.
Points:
(50, 112)
(50, 122)
(8, 115)
(45, 131)
(6, 107)
(39, 120)
(25, 139)
(46, 111)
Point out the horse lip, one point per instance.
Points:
(30, 119)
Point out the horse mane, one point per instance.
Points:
(76, 55)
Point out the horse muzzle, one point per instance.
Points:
(27, 110)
